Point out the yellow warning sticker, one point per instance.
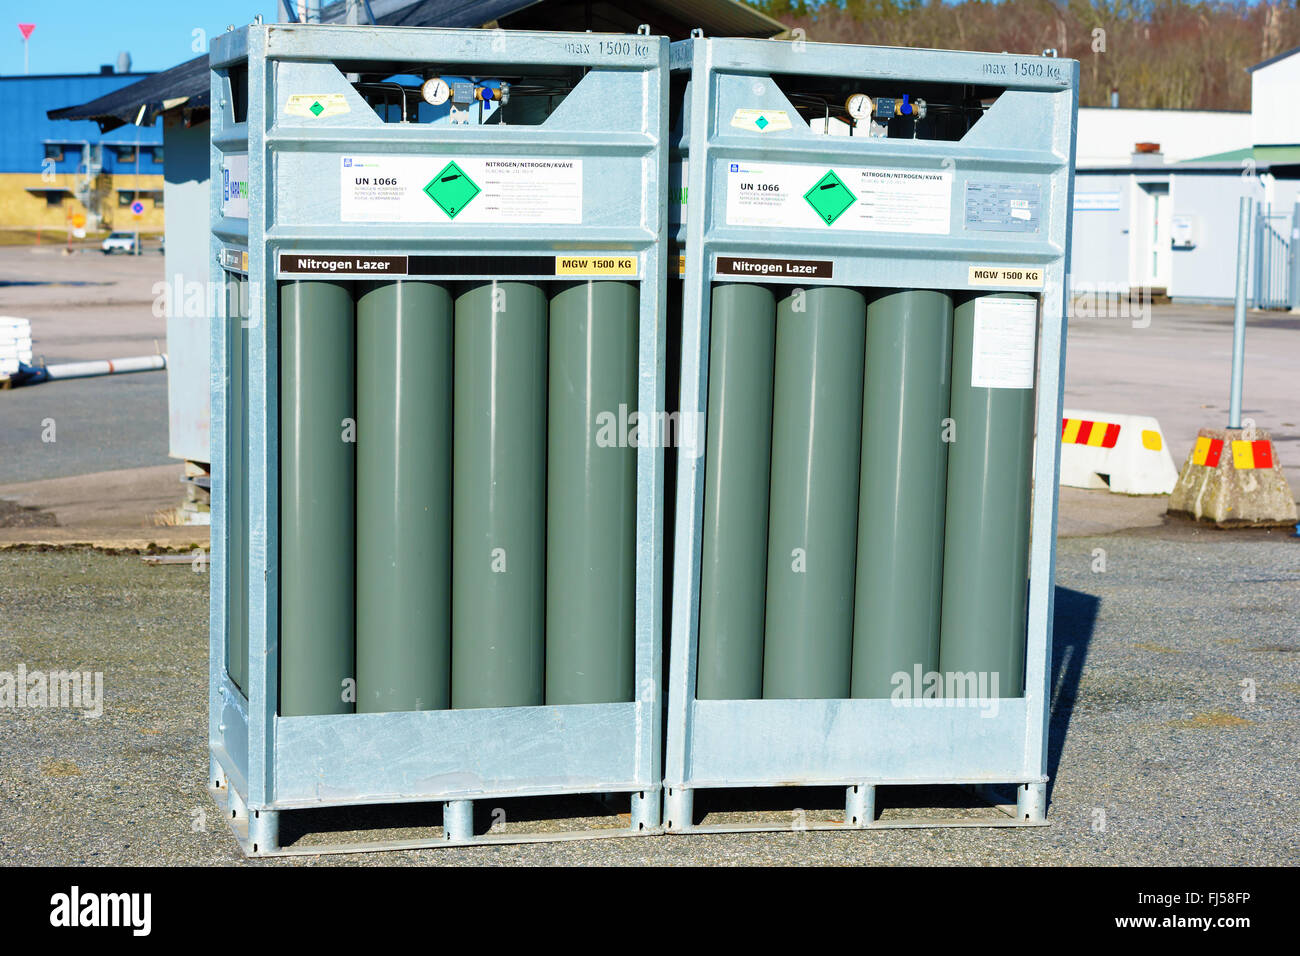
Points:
(764, 121)
(317, 106)
(681, 267)
(595, 265)
(1201, 452)
(1016, 278)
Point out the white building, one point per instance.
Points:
(1156, 194)
(1106, 137)
(1274, 113)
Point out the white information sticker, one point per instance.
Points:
(467, 189)
(866, 199)
(234, 186)
(1002, 355)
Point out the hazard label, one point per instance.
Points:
(868, 199)
(326, 104)
(765, 121)
(829, 197)
(464, 189)
(451, 189)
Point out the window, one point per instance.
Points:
(125, 154)
(54, 197)
(125, 198)
(157, 154)
(54, 151)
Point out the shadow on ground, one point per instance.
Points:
(1074, 619)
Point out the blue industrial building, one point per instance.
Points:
(53, 170)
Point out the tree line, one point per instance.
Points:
(1158, 54)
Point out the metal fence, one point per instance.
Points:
(1274, 261)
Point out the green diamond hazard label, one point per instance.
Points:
(452, 190)
(317, 108)
(761, 122)
(829, 197)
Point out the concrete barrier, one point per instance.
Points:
(1126, 454)
(1232, 478)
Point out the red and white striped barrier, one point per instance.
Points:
(1126, 454)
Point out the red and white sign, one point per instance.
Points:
(26, 29)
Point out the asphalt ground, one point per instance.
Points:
(1156, 757)
(83, 306)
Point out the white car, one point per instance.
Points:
(118, 242)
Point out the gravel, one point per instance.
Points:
(1157, 757)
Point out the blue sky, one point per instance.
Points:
(76, 36)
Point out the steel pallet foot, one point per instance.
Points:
(860, 805)
(1031, 802)
(263, 832)
(679, 808)
(458, 820)
(217, 774)
(235, 805)
(645, 809)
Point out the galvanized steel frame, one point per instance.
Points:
(261, 763)
(1028, 135)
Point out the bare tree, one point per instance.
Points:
(1170, 54)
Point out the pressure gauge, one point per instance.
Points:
(435, 91)
(859, 106)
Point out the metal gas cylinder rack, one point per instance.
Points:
(872, 245)
(437, 540)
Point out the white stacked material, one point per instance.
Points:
(15, 343)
